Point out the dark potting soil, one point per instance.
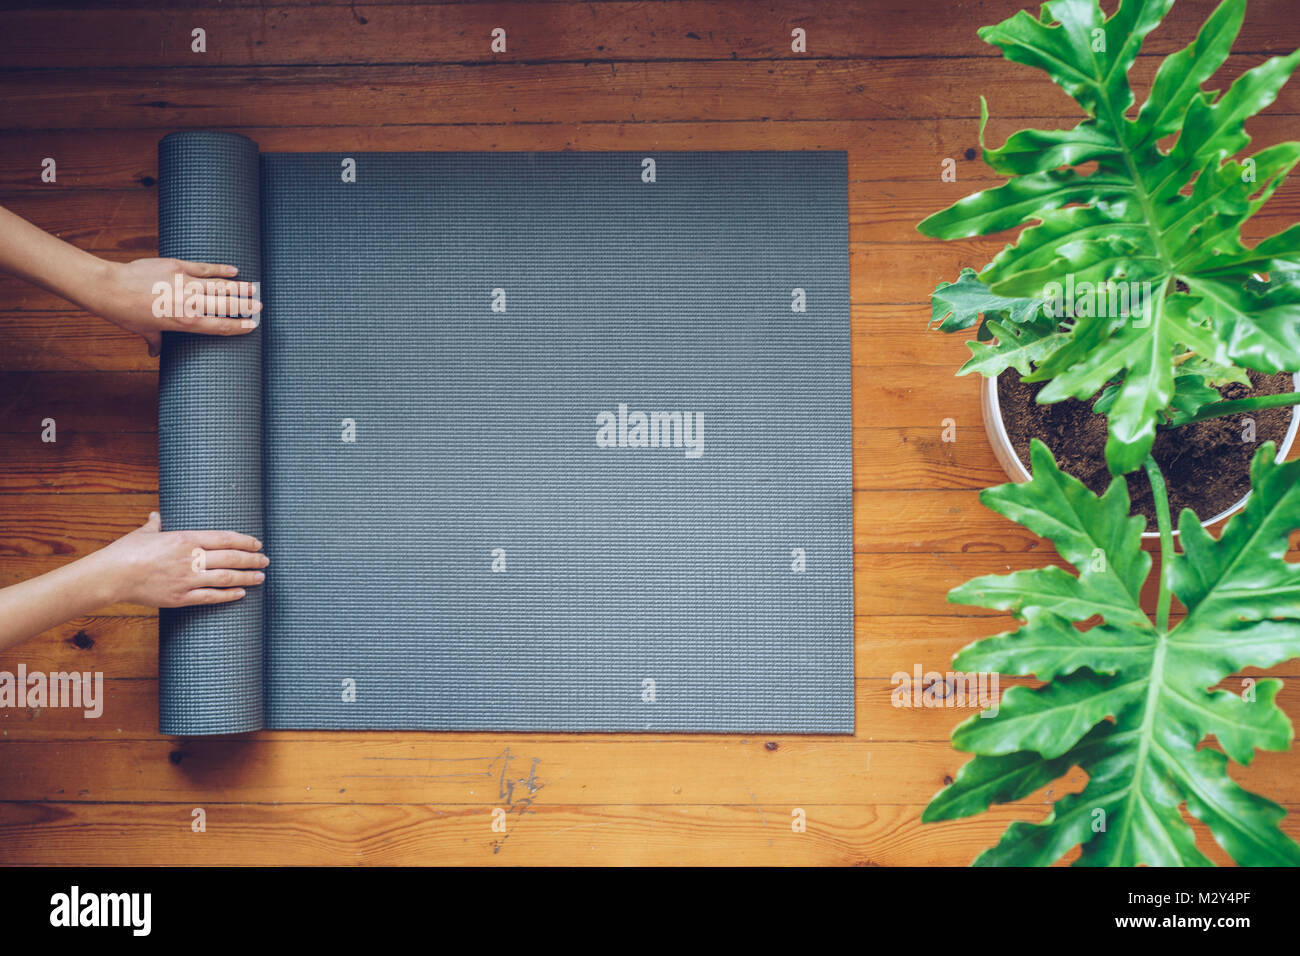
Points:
(1206, 465)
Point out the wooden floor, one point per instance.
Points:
(894, 82)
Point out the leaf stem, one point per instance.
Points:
(1235, 406)
(1161, 495)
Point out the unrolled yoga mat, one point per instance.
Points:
(534, 441)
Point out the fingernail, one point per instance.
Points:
(256, 544)
(259, 576)
(240, 591)
(257, 306)
(265, 560)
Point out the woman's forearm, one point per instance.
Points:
(43, 602)
(149, 567)
(33, 254)
(131, 294)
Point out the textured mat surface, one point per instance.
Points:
(480, 326)
(210, 434)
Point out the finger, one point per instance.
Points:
(154, 523)
(211, 596)
(215, 540)
(230, 289)
(226, 578)
(214, 325)
(154, 341)
(234, 559)
(204, 270)
(231, 306)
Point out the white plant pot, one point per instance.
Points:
(1016, 470)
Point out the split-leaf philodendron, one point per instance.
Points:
(1130, 699)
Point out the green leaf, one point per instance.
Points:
(1011, 204)
(1065, 44)
(1166, 220)
(1126, 702)
(1243, 577)
(1179, 79)
(1016, 346)
(1255, 329)
(958, 305)
(1191, 392)
(986, 780)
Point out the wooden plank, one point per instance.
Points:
(380, 95)
(917, 583)
(81, 462)
(538, 833)
(467, 769)
(66, 341)
(937, 522)
(78, 402)
(124, 646)
(880, 150)
(916, 456)
(461, 33)
(944, 521)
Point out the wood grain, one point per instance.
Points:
(893, 84)
(401, 95)
(540, 834)
(459, 33)
(880, 150)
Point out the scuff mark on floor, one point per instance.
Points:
(507, 786)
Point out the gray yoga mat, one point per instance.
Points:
(480, 325)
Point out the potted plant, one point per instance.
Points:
(1130, 287)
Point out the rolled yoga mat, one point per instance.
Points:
(534, 441)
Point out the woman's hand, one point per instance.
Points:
(210, 302)
(159, 568)
(148, 566)
(127, 293)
